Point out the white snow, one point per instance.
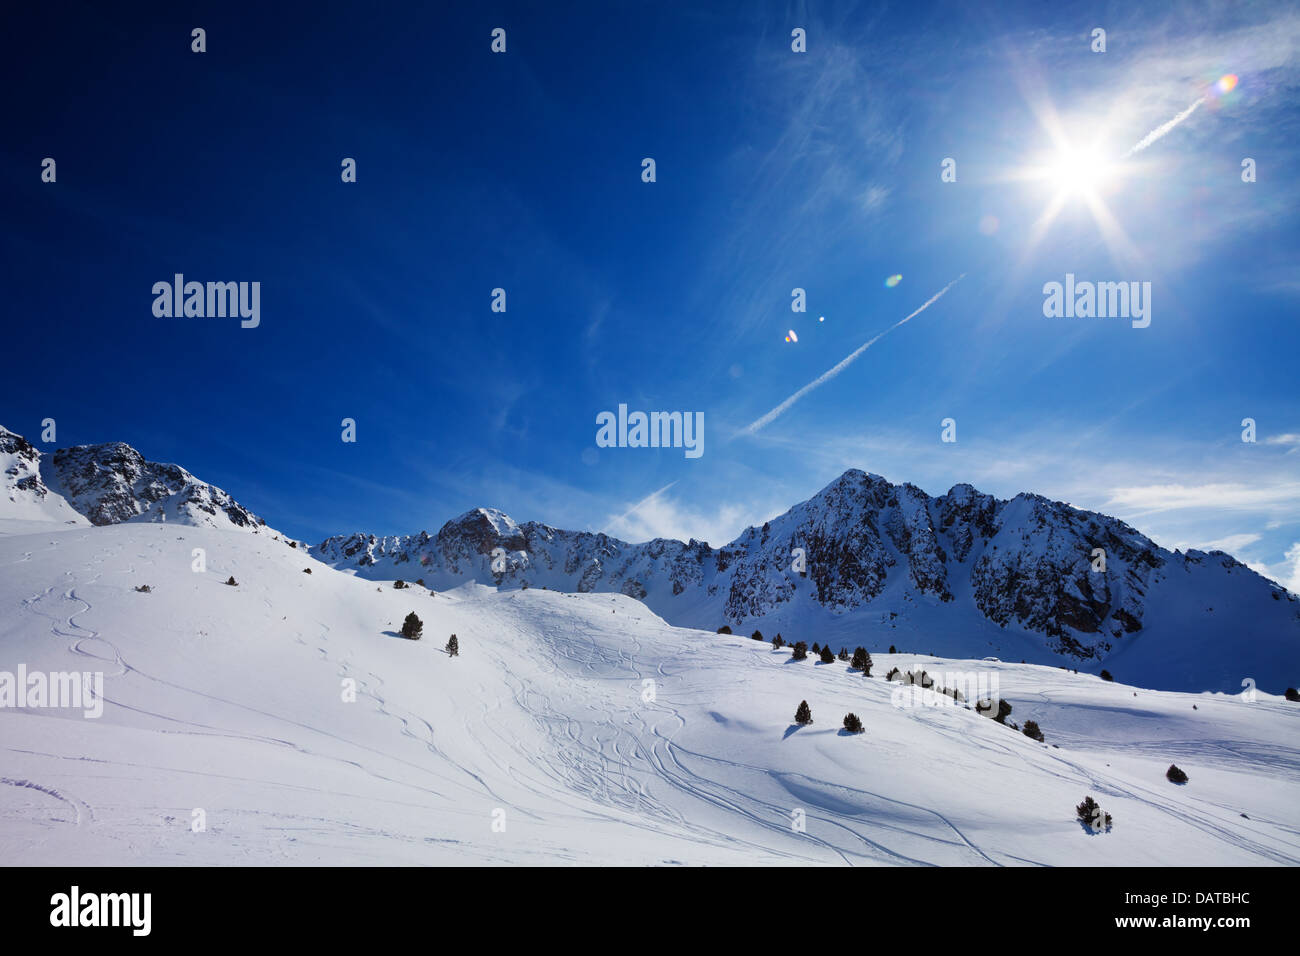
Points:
(229, 700)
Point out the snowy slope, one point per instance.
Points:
(961, 574)
(229, 699)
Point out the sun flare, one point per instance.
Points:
(1078, 172)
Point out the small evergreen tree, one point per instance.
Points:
(815, 648)
(1092, 814)
(892, 650)
(1292, 694)
(1031, 730)
(306, 570)
(724, 629)
(399, 584)
(144, 588)
(757, 635)
(844, 654)
(852, 724)
(232, 582)
(827, 656)
(803, 714)
(412, 627)
(860, 658)
(800, 651)
(453, 646)
(1105, 675)
(1174, 775)
(778, 642)
(893, 672)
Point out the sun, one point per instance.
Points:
(1077, 172)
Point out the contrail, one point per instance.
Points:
(1161, 130)
(754, 426)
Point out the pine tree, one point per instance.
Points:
(453, 646)
(1105, 675)
(803, 715)
(816, 649)
(232, 582)
(800, 651)
(1092, 814)
(412, 627)
(827, 656)
(892, 650)
(1174, 775)
(844, 654)
(778, 642)
(724, 629)
(399, 584)
(852, 724)
(757, 635)
(1292, 694)
(1031, 730)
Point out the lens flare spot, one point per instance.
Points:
(893, 281)
(821, 318)
(791, 337)
(989, 225)
(1226, 83)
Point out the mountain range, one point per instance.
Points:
(863, 561)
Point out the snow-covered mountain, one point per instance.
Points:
(108, 484)
(963, 573)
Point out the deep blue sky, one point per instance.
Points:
(775, 170)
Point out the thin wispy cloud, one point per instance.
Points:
(659, 516)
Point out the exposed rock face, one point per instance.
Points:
(112, 483)
(22, 464)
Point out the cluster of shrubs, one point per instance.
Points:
(144, 588)
(861, 660)
(803, 717)
(1293, 695)
(413, 630)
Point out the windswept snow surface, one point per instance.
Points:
(596, 732)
